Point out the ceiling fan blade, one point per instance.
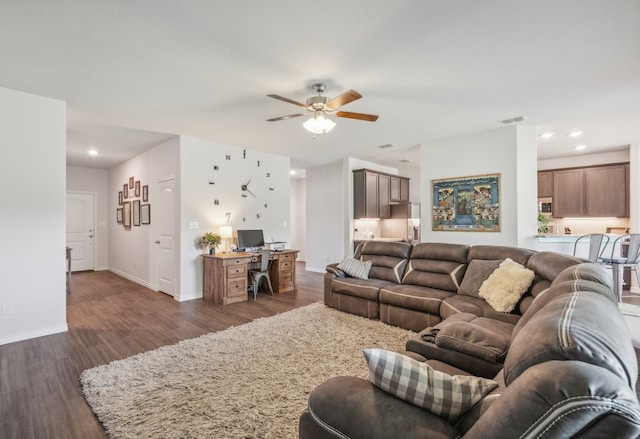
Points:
(359, 116)
(286, 117)
(344, 99)
(280, 98)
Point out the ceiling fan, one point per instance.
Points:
(319, 107)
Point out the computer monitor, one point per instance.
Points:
(250, 239)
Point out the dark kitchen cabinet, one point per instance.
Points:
(599, 191)
(545, 184)
(399, 192)
(374, 192)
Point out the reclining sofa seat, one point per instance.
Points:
(570, 372)
(361, 296)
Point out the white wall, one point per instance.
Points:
(299, 217)
(580, 160)
(197, 160)
(32, 224)
(326, 216)
(95, 181)
(132, 252)
(488, 152)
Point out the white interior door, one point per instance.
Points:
(165, 242)
(81, 230)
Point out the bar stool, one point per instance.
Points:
(618, 264)
(597, 243)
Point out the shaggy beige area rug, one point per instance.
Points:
(249, 381)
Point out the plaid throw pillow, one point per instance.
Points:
(355, 268)
(418, 383)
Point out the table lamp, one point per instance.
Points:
(226, 232)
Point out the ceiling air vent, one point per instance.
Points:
(516, 119)
(386, 145)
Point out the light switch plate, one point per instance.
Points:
(194, 225)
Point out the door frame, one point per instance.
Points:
(96, 235)
(176, 246)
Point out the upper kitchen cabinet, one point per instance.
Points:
(373, 193)
(365, 194)
(399, 189)
(600, 191)
(545, 184)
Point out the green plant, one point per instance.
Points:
(210, 239)
(543, 223)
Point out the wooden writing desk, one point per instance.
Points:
(226, 274)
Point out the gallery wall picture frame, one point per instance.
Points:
(136, 212)
(145, 193)
(120, 198)
(126, 214)
(125, 191)
(131, 182)
(137, 188)
(466, 204)
(145, 214)
(119, 215)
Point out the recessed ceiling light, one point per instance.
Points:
(93, 152)
(575, 134)
(580, 147)
(546, 135)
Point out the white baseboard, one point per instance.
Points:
(139, 281)
(184, 298)
(315, 270)
(33, 334)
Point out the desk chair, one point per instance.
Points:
(618, 264)
(597, 244)
(262, 272)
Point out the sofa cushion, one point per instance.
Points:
(458, 304)
(520, 255)
(436, 265)
(388, 259)
(354, 267)
(350, 407)
(366, 289)
(506, 285)
(477, 272)
(479, 337)
(414, 297)
(448, 396)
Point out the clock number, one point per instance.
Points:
(271, 189)
(268, 174)
(212, 182)
(244, 153)
(265, 205)
(257, 216)
(216, 167)
(244, 195)
(258, 163)
(227, 157)
(243, 219)
(216, 202)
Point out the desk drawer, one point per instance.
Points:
(237, 287)
(286, 264)
(286, 278)
(234, 271)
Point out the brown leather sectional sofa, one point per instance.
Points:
(563, 358)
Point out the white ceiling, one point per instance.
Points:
(137, 72)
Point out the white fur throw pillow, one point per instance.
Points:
(506, 285)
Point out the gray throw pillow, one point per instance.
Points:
(447, 396)
(477, 272)
(355, 268)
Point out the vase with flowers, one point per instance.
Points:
(209, 241)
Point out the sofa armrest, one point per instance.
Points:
(333, 269)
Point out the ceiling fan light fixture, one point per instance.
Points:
(318, 124)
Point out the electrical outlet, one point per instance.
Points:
(7, 308)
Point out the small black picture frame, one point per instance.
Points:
(145, 214)
(145, 193)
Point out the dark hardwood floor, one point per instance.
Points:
(110, 318)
